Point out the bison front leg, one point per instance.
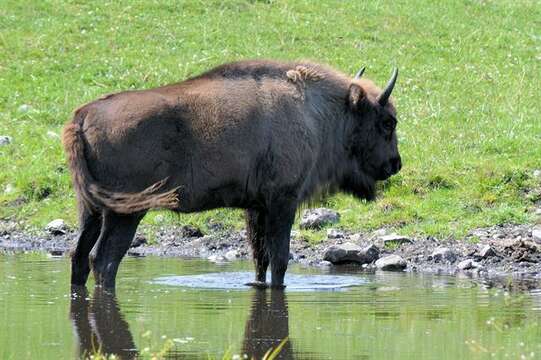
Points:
(255, 228)
(279, 221)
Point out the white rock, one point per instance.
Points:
(216, 258)
(487, 251)
(5, 140)
(536, 234)
(56, 227)
(537, 173)
(53, 135)
(391, 262)
(232, 255)
(8, 189)
(24, 108)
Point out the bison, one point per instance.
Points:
(264, 136)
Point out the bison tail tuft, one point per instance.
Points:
(93, 196)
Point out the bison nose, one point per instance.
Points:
(396, 164)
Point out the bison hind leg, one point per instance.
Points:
(115, 239)
(255, 228)
(89, 231)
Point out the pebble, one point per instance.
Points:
(317, 218)
(443, 254)
(391, 262)
(232, 255)
(335, 234)
(56, 227)
(24, 108)
(466, 264)
(487, 251)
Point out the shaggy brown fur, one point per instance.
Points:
(259, 135)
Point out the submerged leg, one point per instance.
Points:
(89, 231)
(115, 239)
(255, 228)
(281, 214)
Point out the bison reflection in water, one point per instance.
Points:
(100, 326)
(267, 325)
(264, 136)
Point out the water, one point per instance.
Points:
(196, 309)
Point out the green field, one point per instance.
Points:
(468, 94)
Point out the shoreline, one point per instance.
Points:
(506, 256)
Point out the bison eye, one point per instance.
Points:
(389, 124)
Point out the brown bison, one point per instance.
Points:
(263, 136)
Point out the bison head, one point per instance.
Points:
(372, 144)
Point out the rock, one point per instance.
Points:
(536, 234)
(24, 108)
(487, 251)
(391, 262)
(139, 240)
(335, 234)
(56, 227)
(538, 212)
(325, 263)
(380, 232)
(317, 218)
(53, 135)
(466, 264)
(56, 252)
(5, 140)
(394, 239)
(217, 258)
(232, 255)
(443, 254)
(191, 231)
(8, 189)
(537, 173)
(349, 252)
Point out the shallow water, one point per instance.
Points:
(200, 310)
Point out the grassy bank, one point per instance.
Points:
(468, 94)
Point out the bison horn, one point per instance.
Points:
(384, 97)
(359, 74)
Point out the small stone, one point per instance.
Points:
(53, 135)
(56, 252)
(487, 251)
(232, 255)
(24, 108)
(56, 227)
(537, 173)
(191, 231)
(5, 140)
(538, 212)
(325, 263)
(8, 189)
(391, 262)
(217, 258)
(380, 232)
(349, 252)
(536, 235)
(139, 240)
(443, 254)
(466, 264)
(318, 218)
(335, 234)
(394, 239)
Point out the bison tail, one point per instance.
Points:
(94, 197)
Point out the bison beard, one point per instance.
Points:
(263, 136)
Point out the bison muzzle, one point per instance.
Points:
(263, 136)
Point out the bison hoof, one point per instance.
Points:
(258, 284)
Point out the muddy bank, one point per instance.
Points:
(509, 255)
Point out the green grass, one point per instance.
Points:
(468, 93)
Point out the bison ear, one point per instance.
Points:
(356, 97)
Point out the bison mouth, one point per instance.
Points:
(362, 186)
